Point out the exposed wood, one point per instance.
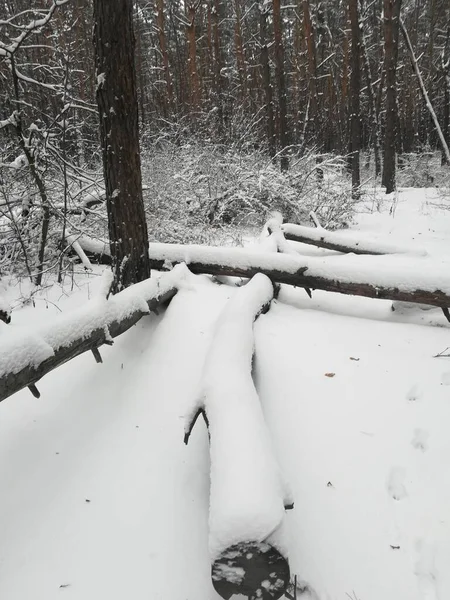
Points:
(290, 270)
(28, 376)
(260, 562)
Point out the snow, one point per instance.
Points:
(351, 240)
(100, 498)
(22, 347)
(246, 500)
(402, 272)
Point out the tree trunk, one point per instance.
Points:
(240, 55)
(194, 81)
(445, 149)
(391, 34)
(355, 85)
(163, 48)
(312, 126)
(281, 84)
(265, 68)
(119, 133)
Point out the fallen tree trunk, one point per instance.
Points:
(248, 495)
(333, 240)
(384, 277)
(26, 356)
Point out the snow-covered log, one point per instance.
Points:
(333, 240)
(97, 249)
(28, 354)
(248, 496)
(404, 278)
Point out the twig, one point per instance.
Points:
(442, 354)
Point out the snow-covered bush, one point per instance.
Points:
(196, 185)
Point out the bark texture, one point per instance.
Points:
(391, 35)
(119, 133)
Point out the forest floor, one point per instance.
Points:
(100, 498)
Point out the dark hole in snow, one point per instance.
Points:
(250, 566)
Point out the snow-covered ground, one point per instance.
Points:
(100, 498)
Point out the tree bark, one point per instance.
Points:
(391, 34)
(119, 133)
(12, 382)
(164, 53)
(194, 80)
(265, 72)
(281, 84)
(355, 85)
(305, 272)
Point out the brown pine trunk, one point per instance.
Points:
(240, 56)
(163, 47)
(372, 105)
(391, 35)
(281, 84)
(355, 86)
(218, 61)
(191, 9)
(265, 73)
(312, 125)
(119, 133)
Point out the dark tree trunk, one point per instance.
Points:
(119, 133)
(355, 85)
(265, 68)
(163, 47)
(391, 35)
(281, 84)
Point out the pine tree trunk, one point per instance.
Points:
(119, 133)
(391, 34)
(355, 85)
(281, 84)
(163, 48)
(265, 72)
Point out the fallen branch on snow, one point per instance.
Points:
(26, 356)
(248, 495)
(384, 277)
(334, 240)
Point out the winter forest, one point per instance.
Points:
(224, 299)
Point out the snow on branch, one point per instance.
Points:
(390, 277)
(11, 120)
(29, 28)
(335, 240)
(26, 354)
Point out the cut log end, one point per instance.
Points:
(251, 569)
